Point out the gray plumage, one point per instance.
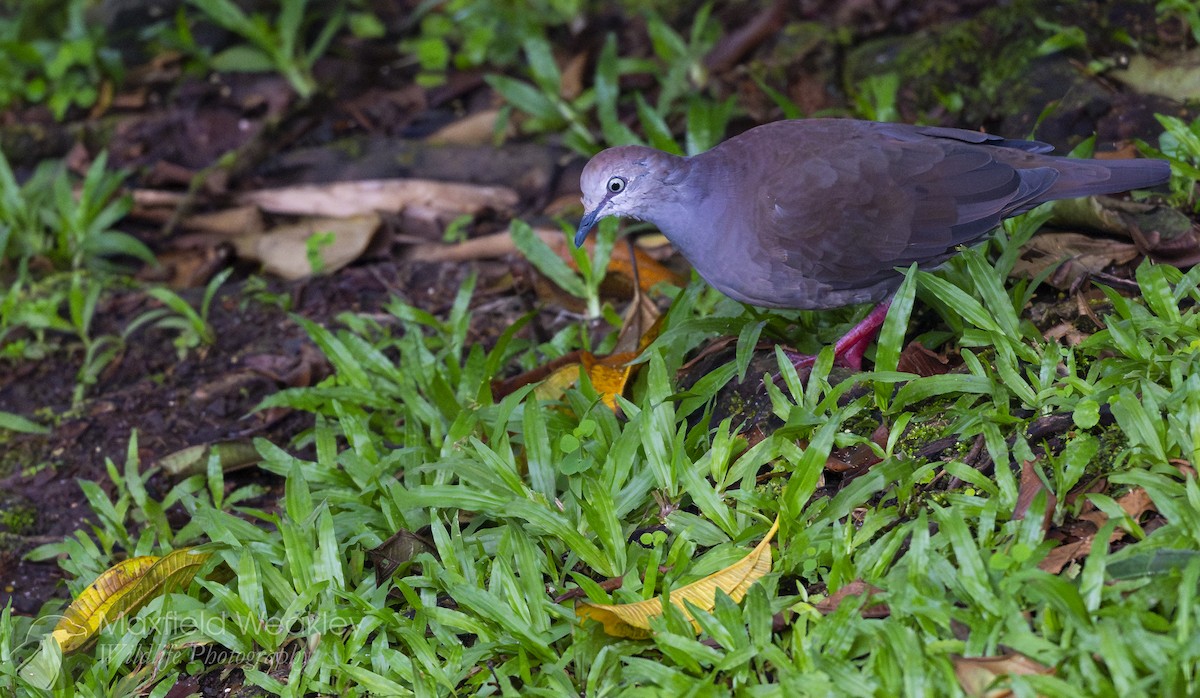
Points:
(819, 213)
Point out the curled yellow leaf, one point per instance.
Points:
(556, 384)
(122, 590)
(609, 374)
(633, 619)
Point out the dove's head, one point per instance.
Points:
(627, 181)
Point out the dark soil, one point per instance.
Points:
(209, 396)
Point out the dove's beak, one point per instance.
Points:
(586, 223)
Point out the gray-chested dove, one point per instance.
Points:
(819, 213)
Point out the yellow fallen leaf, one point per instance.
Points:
(633, 619)
(558, 382)
(86, 607)
(649, 273)
(122, 590)
(609, 374)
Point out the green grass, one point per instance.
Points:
(1180, 145)
(272, 43)
(51, 54)
(680, 93)
(71, 239)
(408, 438)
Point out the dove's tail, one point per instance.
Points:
(1089, 177)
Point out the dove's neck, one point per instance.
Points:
(685, 206)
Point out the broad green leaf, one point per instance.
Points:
(17, 423)
(547, 262)
(930, 386)
(243, 58)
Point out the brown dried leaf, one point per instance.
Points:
(639, 326)
(238, 220)
(981, 677)
(182, 268)
(1057, 559)
(1066, 331)
(284, 251)
(501, 388)
(856, 588)
(474, 129)
(144, 199)
(1134, 503)
(571, 84)
(483, 247)
(401, 547)
(849, 458)
(290, 370)
(1030, 485)
(1079, 255)
(363, 197)
(915, 358)
(649, 271)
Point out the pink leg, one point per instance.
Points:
(848, 351)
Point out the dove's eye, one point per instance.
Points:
(616, 185)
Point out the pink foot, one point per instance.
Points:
(848, 351)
